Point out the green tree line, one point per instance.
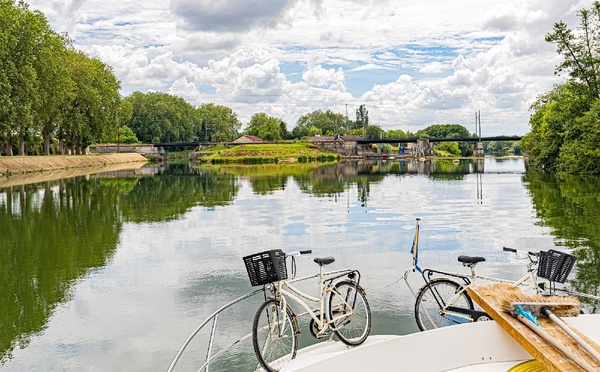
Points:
(565, 124)
(48, 89)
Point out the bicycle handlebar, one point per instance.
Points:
(299, 253)
(516, 251)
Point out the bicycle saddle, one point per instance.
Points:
(470, 259)
(324, 260)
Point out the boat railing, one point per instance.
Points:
(213, 320)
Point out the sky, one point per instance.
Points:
(411, 63)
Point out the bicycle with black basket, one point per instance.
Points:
(342, 308)
(443, 299)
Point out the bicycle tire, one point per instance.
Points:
(427, 309)
(348, 301)
(275, 340)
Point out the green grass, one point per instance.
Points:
(268, 153)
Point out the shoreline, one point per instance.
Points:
(15, 170)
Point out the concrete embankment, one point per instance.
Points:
(27, 169)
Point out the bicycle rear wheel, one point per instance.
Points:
(350, 312)
(433, 297)
(274, 335)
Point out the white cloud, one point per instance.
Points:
(414, 63)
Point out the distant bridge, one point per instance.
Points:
(455, 139)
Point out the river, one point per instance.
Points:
(113, 271)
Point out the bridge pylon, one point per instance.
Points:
(478, 150)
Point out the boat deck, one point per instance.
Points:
(482, 346)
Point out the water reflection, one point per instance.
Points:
(190, 227)
(52, 235)
(570, 206)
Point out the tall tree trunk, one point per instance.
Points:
(21, 144)
(9, 151)
(46, 141)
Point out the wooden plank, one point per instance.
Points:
(495, 300)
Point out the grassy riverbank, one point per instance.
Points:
(17, 165)
(267, 153)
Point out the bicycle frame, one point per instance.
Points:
(529, 280)
(325, 286)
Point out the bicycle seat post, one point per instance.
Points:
(472, 267)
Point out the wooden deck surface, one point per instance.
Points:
(493, 297)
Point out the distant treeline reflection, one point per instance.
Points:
(570, 206)
(57, 232)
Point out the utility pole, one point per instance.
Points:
(478, 152)
(346, 117)
(479, 117)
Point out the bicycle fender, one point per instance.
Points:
(439, 280)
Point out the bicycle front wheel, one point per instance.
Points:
(274, 335)
(349, 313)
(434, 297)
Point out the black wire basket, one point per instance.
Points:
(555, 265)
(266, 267)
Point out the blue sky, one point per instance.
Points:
(411, 63)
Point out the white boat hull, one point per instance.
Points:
(482, 346)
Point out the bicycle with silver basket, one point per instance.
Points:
(342, 308)
(443, 299)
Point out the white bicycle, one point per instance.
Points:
(342, 307)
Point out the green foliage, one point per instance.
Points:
(395, 133)
(218, 123)
(269, 153)
(448, 148)
(161, 117)
(374, 132)
(385, 148)
(362, 118)
(326, 123)
(49, 89)
(449, 131)
(564, 126)
(553, 125)
(266, 127)
(582, 153)
(498, 147)
(126, 135)
(580, 49)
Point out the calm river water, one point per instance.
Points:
(113, 271)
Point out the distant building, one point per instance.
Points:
(247, 139)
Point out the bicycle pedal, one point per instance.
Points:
(322, 334)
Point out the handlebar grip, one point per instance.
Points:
(306, 252)
(507, 249)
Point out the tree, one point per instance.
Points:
(266, 127)
(449, 131)
(374, 132)
(582, 155)
(362, 118)
(328, 122)
(283, 132)
(94, 109)
(219, 123)
(553, 123)
(161, 117)
(56, 88)
(395, 133)
(580, 49)
(23, 30)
